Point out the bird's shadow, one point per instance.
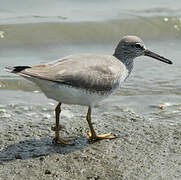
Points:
(34, 148)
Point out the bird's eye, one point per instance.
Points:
(138, 46)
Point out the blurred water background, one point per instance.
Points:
(39, 31)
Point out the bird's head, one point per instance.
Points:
(131, 47)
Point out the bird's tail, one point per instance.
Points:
(16, 69)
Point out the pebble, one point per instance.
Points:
(165, 19)
(1, 34)
(47, 171)
(162, 107)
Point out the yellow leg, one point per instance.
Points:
(57, 136)
(92, 135)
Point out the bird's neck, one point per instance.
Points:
(127, 61)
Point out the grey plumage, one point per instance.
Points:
(99, 73)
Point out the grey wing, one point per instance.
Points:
(93, 78)
(92, 72)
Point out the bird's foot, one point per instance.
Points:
(58, 140)
(102, 136)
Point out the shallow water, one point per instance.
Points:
(53, 29)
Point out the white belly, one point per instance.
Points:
(67, 94)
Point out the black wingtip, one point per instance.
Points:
(16, 69)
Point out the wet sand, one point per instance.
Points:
(142, 150)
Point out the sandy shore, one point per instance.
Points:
(142, 150)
